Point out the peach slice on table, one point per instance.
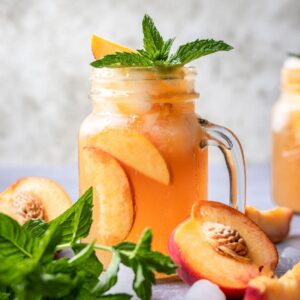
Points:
(274, 222)
(135, 150)
(101, 47)
(287, 287)
(113, 211)
(222, 245)
(33, 198)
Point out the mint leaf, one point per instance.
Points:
(196, 49)
(12, 273)
(15, 243)
(92, 266)
(292, 54)
(75, 222)
(144, 263)
(116, 297)
(45, 249)
(4, 296)
(153, 42)
(165, 51)
(110, 276)
(82, 256)
(36, 227)
(156, 52)
(122, 59)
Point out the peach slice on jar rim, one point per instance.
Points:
(222, 245)
(133, 149)
(113, 204)
(101, 47)
(274, 222)
(34, 198)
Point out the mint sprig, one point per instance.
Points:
(29, 269)
(292, 54)
(157, 51)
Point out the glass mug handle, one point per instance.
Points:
(228, 143)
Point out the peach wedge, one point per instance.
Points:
(102, 47)
(274, 222)
(287, 287)
(134, 150)
(33, 198)
(222, 245)
(113, 206)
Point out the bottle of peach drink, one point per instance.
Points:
(143, 148)
(286, 137)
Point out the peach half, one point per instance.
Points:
(101, 47)
(113, 204)
(274, 222)
(133, 149)
(222, 245)
(287, 287)
(34, 198)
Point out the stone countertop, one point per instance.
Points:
(258, 195)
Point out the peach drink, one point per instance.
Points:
(139, 149)
(286, 139)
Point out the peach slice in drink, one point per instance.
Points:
(101, 47)
(33, 198)
(135, 150)
(113, 205)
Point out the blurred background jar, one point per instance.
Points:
(286, 138)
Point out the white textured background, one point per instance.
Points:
(45, 55)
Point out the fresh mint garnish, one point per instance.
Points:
(29, 269)
(156, 52)
(292, 54)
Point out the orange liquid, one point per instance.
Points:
(286, 164)
(176, 134)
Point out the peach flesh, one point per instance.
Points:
(199, 266)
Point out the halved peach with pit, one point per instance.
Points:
(113, 205)
(287, 287)
(133, 149)
(102, 47)
(34, 198)
(274, 222)
(222, 245)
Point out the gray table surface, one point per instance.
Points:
(258, 195)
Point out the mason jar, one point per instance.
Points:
(143, 149)
(286, 138)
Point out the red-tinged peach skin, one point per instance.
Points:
(274, 222)
(197, 246)
(135, 150)
(32, 198)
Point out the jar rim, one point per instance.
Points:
(143, 73)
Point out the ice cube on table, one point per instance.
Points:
(204, 289)
(290, 252)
